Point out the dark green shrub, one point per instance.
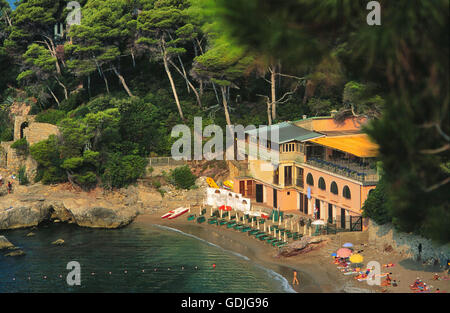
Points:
(7, 134)
(376, 205)
(47, 155)
(121, 171)
(182, 177)
(50, 116)
(23, 177)
(21, 146)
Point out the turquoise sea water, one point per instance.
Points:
(131, 255)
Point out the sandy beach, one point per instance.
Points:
(316, 271)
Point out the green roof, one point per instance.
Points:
(287, 132)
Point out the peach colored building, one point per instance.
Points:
(326, 170)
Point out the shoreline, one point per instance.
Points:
(316, 271)
(313, 279)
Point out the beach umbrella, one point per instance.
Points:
(344, 253)
(347, 245)
(356, 258)
(318, 222)
(252, 223)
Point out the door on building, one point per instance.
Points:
(275, 202)
(259, 193)
(342, 218)
(242, 187)
(305, 206)
(330, 213)
(249, 188)
(318, 208)
(288, 175)
(301, 201)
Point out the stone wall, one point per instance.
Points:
(409, 245)
(34, 132)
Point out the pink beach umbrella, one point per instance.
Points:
(344, 253)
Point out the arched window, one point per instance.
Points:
(310, 180)
(334, 188)
(322, 183)
(346, 192)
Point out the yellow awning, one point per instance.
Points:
(359, 145)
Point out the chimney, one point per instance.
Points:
(333, 113)
(304, 117)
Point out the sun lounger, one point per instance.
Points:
(191, 217)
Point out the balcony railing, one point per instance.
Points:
(361, 173)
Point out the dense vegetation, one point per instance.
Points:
(116, 84)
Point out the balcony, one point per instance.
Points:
(299, 182)
(363, 172)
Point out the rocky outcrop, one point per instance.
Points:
(58, 242)
(4, 243)
(305, 244)
(16, 253)
(83, 209)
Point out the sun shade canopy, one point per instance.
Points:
(287, 132)
(358, 145)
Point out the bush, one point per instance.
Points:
(376, 205)
(7, 134)
(23, 177)
(50, 116)
(121, 171)
(182, 177)
(46, 154)
(21, 146)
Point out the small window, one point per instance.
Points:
(346, 192)
(310, 180)
(334, 188)
(322, 183)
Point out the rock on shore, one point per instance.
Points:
(4, 243)
(39, 204)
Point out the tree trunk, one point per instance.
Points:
(66, 95)
(54, 97)
(273, 91)
(122, 80)
(269, 114)
(225, 104)
(106, 83)
(172, 84)
(190, 85)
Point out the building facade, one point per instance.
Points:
(326, 170)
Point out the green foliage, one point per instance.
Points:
(47, 155)
(376, 205)
(50, 116)
(21, 146)
(121, 171)
(182, 177)
(7, 134)
(23, 177)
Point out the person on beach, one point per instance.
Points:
(9, 187)
(1, 180)
(295, 280)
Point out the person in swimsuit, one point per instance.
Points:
(295, 280)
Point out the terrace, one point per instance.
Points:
(360, 170)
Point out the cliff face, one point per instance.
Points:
(28, 207)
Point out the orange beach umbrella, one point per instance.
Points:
(344, 253)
